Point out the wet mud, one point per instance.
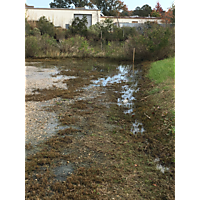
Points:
(98, 147)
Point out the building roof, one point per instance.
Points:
(81, 8)
(26, 6)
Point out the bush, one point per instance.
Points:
(154, 43)
(79, 26)
(36, 32)
(76, 46)
(129, 31)
(94, 33)
(109, 32)
(46, 27)
(60, 34)
(32, 46)
(48, 44)
(84, 49)
(105, 27)
(27, 28)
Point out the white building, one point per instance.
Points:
(62, 17)
(131, 19)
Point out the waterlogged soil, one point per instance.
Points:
(86, 137)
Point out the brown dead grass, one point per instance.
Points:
(67, 131)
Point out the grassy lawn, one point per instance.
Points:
(162, 73)
(162, 70)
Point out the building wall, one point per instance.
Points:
(60, 17)
(132, 20)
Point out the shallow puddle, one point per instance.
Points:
(160, 167)
(63, 171)
(137, 127)
(126, 74)
(41, 124)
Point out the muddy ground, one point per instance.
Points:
(87, 136)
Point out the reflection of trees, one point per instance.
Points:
(87, 65)
(104, 67)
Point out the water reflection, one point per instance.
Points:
(129, 75)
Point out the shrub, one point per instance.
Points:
(79, 26)
(48, 44)
(95, 29)
(117, 34)
(46, 27)
(109, 32)
(32, 47)
(60, 34)
(153, 43)
(76, 46)
(105, 27)
(84, 49)
(94, 33)
(27, 28)
(129, 31)
(36, 32)
(115, 50)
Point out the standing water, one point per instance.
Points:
(125, 74)
(41, 124)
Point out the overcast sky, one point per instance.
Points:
(131, 4)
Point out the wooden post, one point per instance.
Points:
(133, 58)
(101, 40)
(133, 54)
(123, 38)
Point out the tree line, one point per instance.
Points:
(119, 8)
(108, 8)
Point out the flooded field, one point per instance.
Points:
(81, 120)
(40, 123)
